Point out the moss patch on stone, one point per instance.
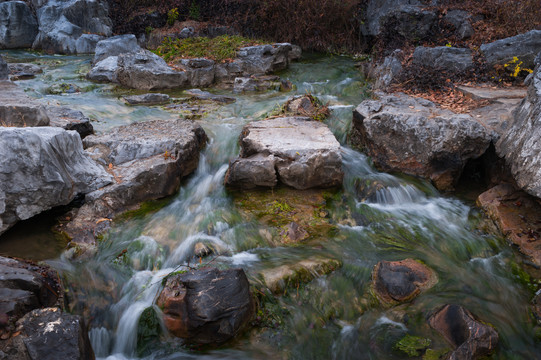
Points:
(412, 345)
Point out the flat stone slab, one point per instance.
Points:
(17, 109)
(485, 93)
(69, 119)
(296, 151)
(518, 216)
(147, 99)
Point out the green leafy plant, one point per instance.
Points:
(195, 11)
(172, 16)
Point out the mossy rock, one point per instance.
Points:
(412, 346)
(148, 331)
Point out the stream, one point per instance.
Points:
(331, 317)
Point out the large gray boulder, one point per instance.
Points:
(72, 26)
(4, 70)
(148, 161)
(40, 328)
(114, 46)
(410, 18)
(524, 46)
(296, 151)
(43, 167)
(443, 58)
(413, 136)
(147, 71)
(17, 109)
(18, 26)
(105, 70)
(520, 145)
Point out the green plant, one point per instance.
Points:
(148, 30)
(172, 16)
(412, 345)
(195, 11)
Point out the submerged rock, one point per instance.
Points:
(520, 145)
(471, 338)
(147, 99)
(43, 168)
(256, 83)
(207, 306)
(517, 215)
(41, 328)
(198, 94)
(414, 136)
(401, 281)
(300, 153)
(18, 26)
(17, 109)
(524, 46)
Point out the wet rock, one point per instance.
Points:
(147, 99)
(147, 160)
(17, 109)
(414, 136)
(401, 281)
(145, 70)
(256, 83)
(449, 59)
(536, 302)
(65, 26)
(43, 168)
(280, 278)
(23, 287)
(304, 154)
(207, 306)
(410, 18)
(306, 105)
(198, 94)
(524, 46)
(114, 46)
(42, 327)
(460, 19)
(105, 70)
(69, 120)
(294, 233)
(21, 69)
(517, 215)
(471, 338)
(63, 88)
(519, 146)
(18, 26)
(295, 53)
(4, 72)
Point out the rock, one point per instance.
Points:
(401, 281)
(69, 120)
(300, 153)
(18, 26)
(524, 46)
(43, 167)
(199, 71)
(145, 70)
(386, 73)
(278, 279)
(460, 19)
(23, 287)
(449, 59)
(86, 43)
(105, 70)
(64, 26)
(147, 99)
(295, 53)
(517, 215)
(63, 88)
(413, 136)
(4, 72)
(471, 338)
(40, 328)
(306, 105)
(207, 306)
(114, 46)
(205, 95)
(18, 69)
(294, 233)
(536, 302)
(17, 109)
(148, 161)
(409, 18)
(253, 83)
(519, 146)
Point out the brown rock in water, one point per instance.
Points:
(518, 216)
(401, 281)
(471, 338)
(207, 306)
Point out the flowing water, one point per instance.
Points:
(332, 317)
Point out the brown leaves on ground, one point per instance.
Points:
(451, 99)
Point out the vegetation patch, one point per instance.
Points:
(412, 345)
(221, 49)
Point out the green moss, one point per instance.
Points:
(143, 209)
(412, 345)
(524, 278)
(148, 331)
(435, 354)
(171, 274)
(220, 48)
